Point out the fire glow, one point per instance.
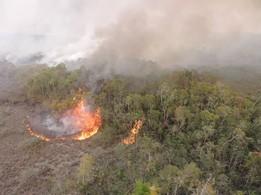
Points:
(131, 139)
(87, 122)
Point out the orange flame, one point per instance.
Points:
(131, 139)
(88, 122)
(33, 133)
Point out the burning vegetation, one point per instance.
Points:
(80, 120)
(192, 127)
(131, 139)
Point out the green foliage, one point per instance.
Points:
(141, 189)
(54, 86)
(198, 136)
(86, 164)
(174, 180)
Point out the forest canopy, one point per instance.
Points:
(199, 136)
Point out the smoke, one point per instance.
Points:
(124, 35)
(56, 127)
(69, 123)
(184, 33)
(55, 30)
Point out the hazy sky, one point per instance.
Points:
(58, 28)
(113, 31)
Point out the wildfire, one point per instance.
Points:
(88, 122)
(42, 137)
(131, 139)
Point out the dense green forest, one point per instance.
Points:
(199, 135)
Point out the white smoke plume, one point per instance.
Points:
(52, 31)
(122, 33)
(185, 33)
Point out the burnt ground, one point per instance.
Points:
(28, 165)
(31, 166)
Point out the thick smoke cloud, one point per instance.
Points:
(184, 33)
(167, 32)
(52, 31)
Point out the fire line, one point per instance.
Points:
(131, 139)
(88, 123)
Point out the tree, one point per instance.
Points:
(141, 189)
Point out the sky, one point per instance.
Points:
(183, 32)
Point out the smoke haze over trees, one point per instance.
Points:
(170, 33)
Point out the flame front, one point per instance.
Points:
(131, 139)
(38, 135)
(87, 122)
